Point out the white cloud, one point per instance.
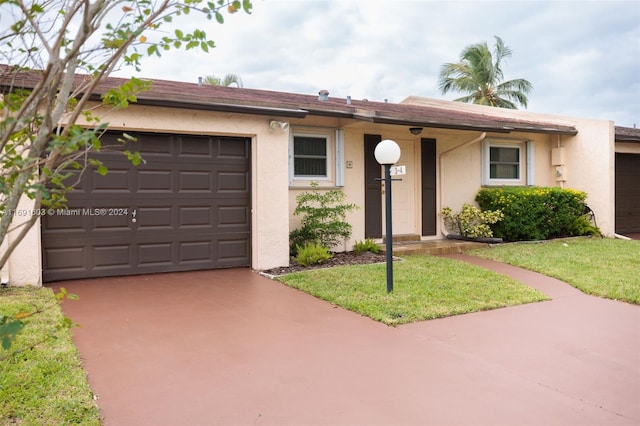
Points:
(583, 58)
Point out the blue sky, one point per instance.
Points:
(583, 57)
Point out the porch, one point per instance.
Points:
(412, 244)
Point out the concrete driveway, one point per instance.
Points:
(229, 347)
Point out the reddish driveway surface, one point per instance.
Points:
(229, 347)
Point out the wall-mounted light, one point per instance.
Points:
(415, 130)
(275, 124)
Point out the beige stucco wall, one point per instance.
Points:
(25, 264)
(269, 174)
(589, 167)
(627, 147)
(589, 157)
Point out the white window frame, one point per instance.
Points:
(306, 178)
(525, 162)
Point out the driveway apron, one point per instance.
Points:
(229, 347)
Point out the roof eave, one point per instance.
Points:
(233, 108)
(506, 128)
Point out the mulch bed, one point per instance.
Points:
(338, 259)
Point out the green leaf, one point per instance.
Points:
(103, 170)
(9, 329)
(219, 17)
(36, 8)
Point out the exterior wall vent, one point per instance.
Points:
(323, 95)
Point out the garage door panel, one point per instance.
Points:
(232, 182)
(227, 149)
(154, 180)
(110, 256)
(186, 208)
(195, 217)
(195, 180)
(232, 250)
(155, 218)
(67, 258)
(233, 216)
(156, 253)
(115, 180)
(194, 146)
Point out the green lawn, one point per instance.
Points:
(425, 287)
(603, 267)
(45, 385)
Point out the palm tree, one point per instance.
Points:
(228, 80)
(479, 74)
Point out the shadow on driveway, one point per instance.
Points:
(229, 347)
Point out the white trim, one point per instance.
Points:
(339, 140)
(523, 166)
(292, 177)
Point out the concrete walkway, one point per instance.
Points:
(229, 347)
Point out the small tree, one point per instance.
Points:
(46, 45)
(323, 218)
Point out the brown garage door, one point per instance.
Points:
(627, 193)
(187, 208)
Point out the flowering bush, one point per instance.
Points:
(470, 221)
(534, 212)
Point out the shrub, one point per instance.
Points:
(582, 226)
(312, 254)
(470, 221)
(323, 218)
(533, 213)
(366, 245)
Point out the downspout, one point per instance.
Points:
(471, 142)
(559, 143)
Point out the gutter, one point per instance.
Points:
(220, 107)
(471, 142)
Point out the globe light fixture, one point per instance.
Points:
(387, 153)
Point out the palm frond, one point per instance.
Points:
(479, 75)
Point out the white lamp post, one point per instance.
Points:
(387, 153)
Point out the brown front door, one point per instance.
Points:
(186, 208)
(372, 188)
(428, 164)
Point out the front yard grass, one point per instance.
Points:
(425, 287)
(602, 267)
(45, 385)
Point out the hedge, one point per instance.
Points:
(533, 212)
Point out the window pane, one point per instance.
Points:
(310, 167)
(309, 156)
(504, 155)
(504, 171)
(504, 163)
(309, 146)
